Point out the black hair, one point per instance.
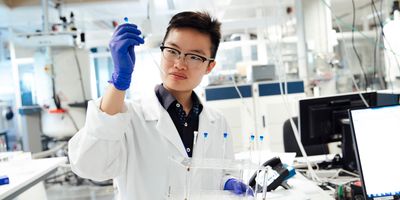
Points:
(200, 21)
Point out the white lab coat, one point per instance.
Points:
(134, 149)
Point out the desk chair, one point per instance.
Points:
(290, 144)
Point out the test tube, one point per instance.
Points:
(252, 137)
(259, 162)
(264, 189)
(224, 145)
(196, 134)
(260, 148)
(205, 135)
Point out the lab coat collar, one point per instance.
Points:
(153, 111)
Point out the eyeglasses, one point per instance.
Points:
(192, 60)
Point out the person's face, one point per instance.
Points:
(185, 73)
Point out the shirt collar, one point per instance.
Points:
(166, 99)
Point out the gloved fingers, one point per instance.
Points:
(249, 191)
(123, 45)
(237, 188)
(126, 28)
(128, 36)
(245, 189)
(131, 52)
(122, 26)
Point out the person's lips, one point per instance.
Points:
(178, 75)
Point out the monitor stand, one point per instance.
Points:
(348, 153)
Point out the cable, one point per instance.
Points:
(354, 47)
(241, 97)
(380, 76)
(346, 53)
(284, 93)
(155, 61)
(382, 46)
(52, 151)
(376, 40)
(72, 120)
(381, 34)
(80, 74)
(387, 42)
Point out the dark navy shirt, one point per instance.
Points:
(185, 124)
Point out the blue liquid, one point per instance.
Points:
(126, 19)
(252, 137)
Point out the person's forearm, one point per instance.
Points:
(113, 100)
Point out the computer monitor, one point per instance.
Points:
(376, 135)
(321, 117)
(325, 119)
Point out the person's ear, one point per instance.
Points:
(210, 66)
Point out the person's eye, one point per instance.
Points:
(196, 58)
(171, 51)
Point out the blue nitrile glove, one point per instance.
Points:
(238, 187)
(122, 43)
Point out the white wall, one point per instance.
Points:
(68, 87)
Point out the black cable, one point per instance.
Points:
(72, 119)
(354, 47)
(380, 35)
(381, 76)
(376, 39)
(56, 98)
(80, 74)
(384, 37)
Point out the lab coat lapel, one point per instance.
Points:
(153, 111)
(166, 128)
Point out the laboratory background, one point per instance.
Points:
(287, 72)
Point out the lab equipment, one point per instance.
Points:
(126, 19)
(261, 73)
(238, 187)
(203, 179)
(125, 37)
(271, 178)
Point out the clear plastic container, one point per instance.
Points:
(203, 178)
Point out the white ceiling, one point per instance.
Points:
(95, 16)
(91, 14)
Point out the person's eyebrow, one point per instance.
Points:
(192, 51)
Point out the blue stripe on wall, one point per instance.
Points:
(227, 92)
(268, 89)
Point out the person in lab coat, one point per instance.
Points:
(133, 142)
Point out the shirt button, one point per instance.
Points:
(188, 150)
(178, 105)
(185, 124)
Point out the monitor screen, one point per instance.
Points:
(321, 119)
(376, 139)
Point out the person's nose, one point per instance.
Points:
(180, 63)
